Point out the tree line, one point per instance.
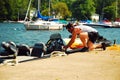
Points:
(64, 9)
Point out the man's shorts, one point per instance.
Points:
(93, 36)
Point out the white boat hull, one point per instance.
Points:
(43, 25)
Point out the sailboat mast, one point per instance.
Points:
(39, 3)
(49, 7)
(28, 10)
(116, 8)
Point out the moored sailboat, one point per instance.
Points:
(42, 22)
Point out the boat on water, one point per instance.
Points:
(104, 25)
(42, 22)
(112, 25)
(96, 25)
(43, 25)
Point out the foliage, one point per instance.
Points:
(78, 9)
(62, 11)
(83, 9)
(11, 8)
(3, 10)
(107, 8)
(109, 12)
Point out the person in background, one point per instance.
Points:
(87, 35)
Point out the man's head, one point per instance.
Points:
(70, 27)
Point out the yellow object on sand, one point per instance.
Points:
(76, 44)
(114, 47)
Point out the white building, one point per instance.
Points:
(95, 17)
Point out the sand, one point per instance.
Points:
(93, 65)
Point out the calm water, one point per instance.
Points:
(16, 32)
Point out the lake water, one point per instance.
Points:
(17, 33)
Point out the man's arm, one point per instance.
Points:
(74, 34)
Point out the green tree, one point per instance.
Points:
(57, 9)
(107, 7)
(109, 12)
(21, 6)
(80, 9)
(3, 10)
(83, 9)
(61, 10)
(10, 8)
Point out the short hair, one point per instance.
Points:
(69, 25)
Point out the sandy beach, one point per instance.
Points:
(93, 65)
